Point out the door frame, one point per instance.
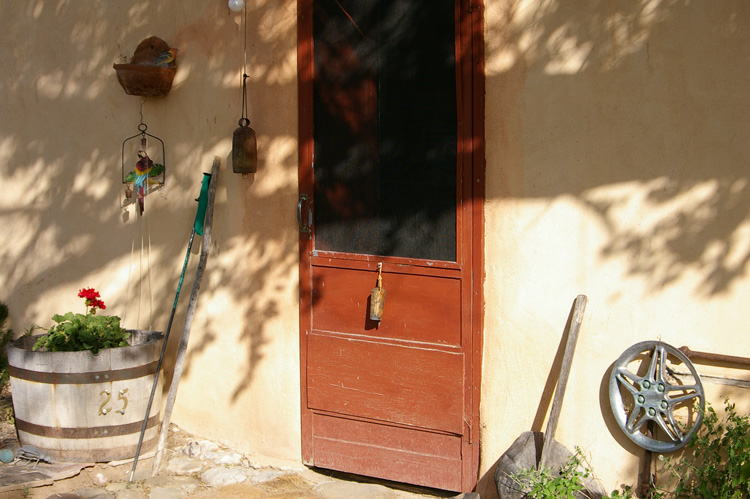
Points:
(470, 79)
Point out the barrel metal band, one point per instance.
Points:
(85, 377)
(95, 432)
(102, 455)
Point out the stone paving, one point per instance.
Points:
(202, 469)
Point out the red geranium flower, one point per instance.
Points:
(92, 299)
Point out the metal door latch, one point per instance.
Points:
(304, 226)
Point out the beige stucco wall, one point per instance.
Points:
(64, 117)
(616, 156)
(617, 167)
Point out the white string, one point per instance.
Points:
(127, 290)
(140, 275)
(148, 253)
(141, 252)
(150, 288)
(244, 25)
(244, 76)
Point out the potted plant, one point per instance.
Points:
(77, 332)
(80, 391)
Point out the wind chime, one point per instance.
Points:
(143, 167)
(143, 171)
(244, 145)
(149, 73)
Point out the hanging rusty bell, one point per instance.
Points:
(244, 148)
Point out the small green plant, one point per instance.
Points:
(77, 332)
(627, 492)
(30, 330)
(715, 465)
(5, 336)
(717, 461)
(543, 483)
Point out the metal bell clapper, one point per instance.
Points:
(377, 297)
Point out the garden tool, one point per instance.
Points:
(532, 449)
(192, 303)
(200, 216)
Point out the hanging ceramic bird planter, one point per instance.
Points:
(151, 69)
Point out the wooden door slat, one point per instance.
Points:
(391, 453)
(405, 385)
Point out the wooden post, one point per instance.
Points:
(182, 349)
(570, 346)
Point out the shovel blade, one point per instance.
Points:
(525, 454)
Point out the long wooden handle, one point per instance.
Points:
(182, 349)
(570, 345)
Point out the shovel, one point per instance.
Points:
(524, 453)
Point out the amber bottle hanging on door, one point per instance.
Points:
(377, 297)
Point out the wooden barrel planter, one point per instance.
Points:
(80, 407)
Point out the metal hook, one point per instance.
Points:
(144, 141)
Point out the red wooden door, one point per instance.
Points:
(391, 174)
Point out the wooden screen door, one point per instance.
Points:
(391, 173)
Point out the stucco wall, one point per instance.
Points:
(64, 117)
(616, 156)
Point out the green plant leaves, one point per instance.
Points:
(542, 483)
(78, 332)
(6, 335)
(717, 461)
(715, 465)
(745, 472)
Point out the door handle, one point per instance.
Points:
(303, 227)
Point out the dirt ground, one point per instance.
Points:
(89, 477)
(297, 485)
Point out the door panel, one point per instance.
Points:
(398, 384)
(391, 175)
(401, 454)
(418, 307)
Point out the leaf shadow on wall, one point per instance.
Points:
(633, 113)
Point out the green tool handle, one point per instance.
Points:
(200, 215)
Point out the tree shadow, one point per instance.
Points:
(588, 101)
(602, 108)
(67, 195)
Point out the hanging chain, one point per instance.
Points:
(244, 100)
(142, 127)
(244, 121)
(143, 101)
